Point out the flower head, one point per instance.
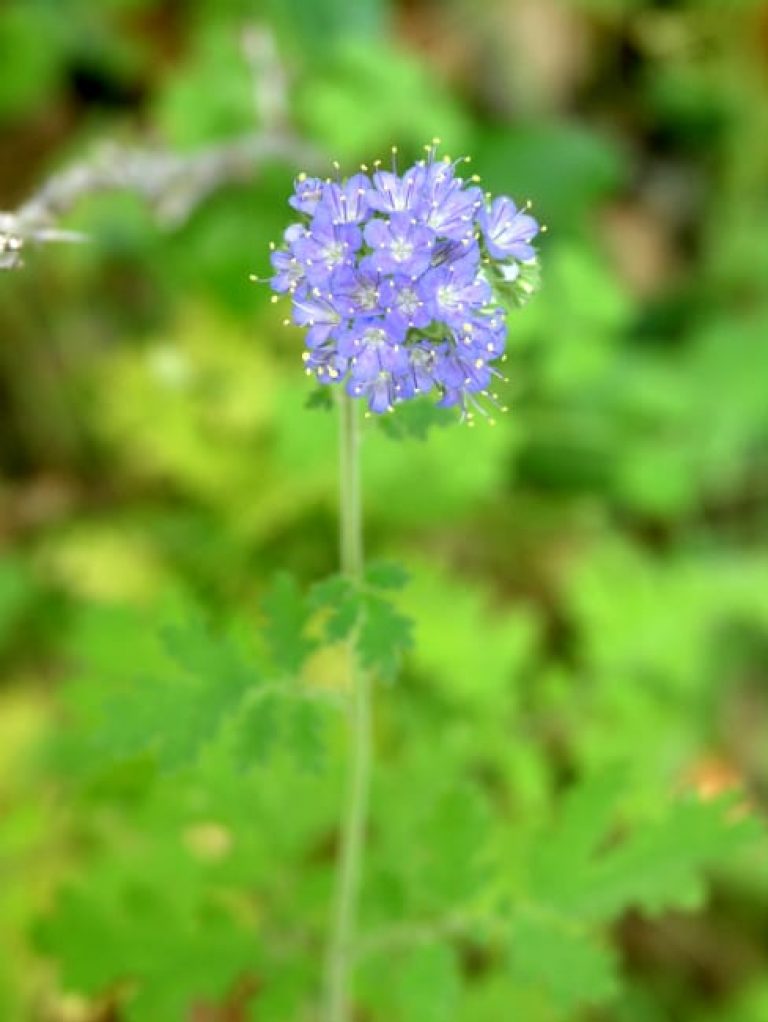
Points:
(399, 280)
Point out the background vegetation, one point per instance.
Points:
(553, 837)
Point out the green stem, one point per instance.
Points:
(350, 519)
(341, 954)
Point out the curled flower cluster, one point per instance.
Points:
(398, 279)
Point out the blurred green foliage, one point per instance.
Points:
(572, 758)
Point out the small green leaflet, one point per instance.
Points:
(414, 419)
(383, 637)
(337, 600)
(270, 718)
(287, 614)
(560, 956)
(381, 634)
(320, 399)
(419, 984)
(386, 575)
(258, 729)
(305, 735)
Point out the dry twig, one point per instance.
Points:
(174, 184)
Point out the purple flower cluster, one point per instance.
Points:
(398, 280)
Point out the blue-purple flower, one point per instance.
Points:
(507, 230)
(400, 280)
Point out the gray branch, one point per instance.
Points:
(173, 184)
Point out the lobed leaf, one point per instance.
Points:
(287, 614)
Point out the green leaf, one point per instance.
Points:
(320, 398)
(428, 985)
(287, 614)
(585, 866)
(661, 866)
(559, 956)
(163, 687)
(385, 575)
(423, 985)
(415, 419)
(471, 648)
(368, 91)
(454, 840)
(588, 867)
(34, 46)
(587, 815)
(284, 992)
(340, 602)
(383, 637)
(316, 26)
(565, 168)
(189, 111)
(306, 735)
(258, 729)
(167, 944)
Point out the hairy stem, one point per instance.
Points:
(350, 520)
(341, 953)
